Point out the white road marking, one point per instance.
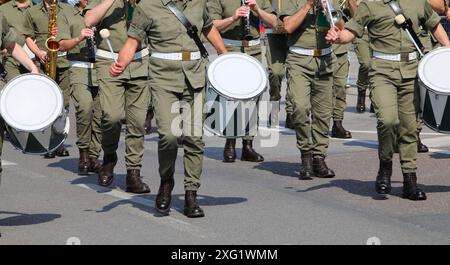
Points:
(167, 220)
(8, 163)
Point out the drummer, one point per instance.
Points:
(393, 77)
(227, 16)
(177, 71)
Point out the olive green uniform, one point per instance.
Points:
(392, 83)
(15, 17)
(276, 53)
(177, 86)
(363, 54)
(36, 27)
(8, 37)
(220, 9)
(310, 80)
(340, 76)
(126, 96)
(84, 85)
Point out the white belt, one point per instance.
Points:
(108, 55)
(177, 56)
(80, 64)
(61, 54)
(311, 52)
(401, 57)
(241, 43)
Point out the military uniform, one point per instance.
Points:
(15, 17)
(310, 66)
(276, 53)
(178, 86)
(84, 87)
(126, 96)
(363, 54)
(233, 39)
(393, 70)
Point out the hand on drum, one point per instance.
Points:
(116, 69)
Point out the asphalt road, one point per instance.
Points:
(46, 202)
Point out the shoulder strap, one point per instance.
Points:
(407, 26)
(191, 29)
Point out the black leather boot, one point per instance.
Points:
(62, 151)
(421, 148)
(229, 151)
(148, 121)
(94, 165)
(248, 153)
(191, 207)
(321, 169)
(372, 109)
(106, 173)
(134, 182)
(83, 162)
(289, 121)
(50, 155)
(164, 197)
(306, 172)
(338, 131)
(361, 102)
(410, 189)
(383, 182)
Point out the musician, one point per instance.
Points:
(124, 97)
(310, 65)
(36, 33)
(227, 16)
(276, 52)
(176, 81)
(79, 43)
(393, 76)
(14, 13)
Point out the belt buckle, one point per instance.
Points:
(245, 43)
(317, 52)
(404, 57)
(186, 56)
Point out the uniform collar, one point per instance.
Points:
(43, 8)
(165, 2)
(387, 1)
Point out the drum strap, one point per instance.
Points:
(407, 25)
(191, 29)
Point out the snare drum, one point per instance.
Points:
(32, 107)
(434, 83)
(235, 82)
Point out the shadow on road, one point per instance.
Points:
(279, 168)
(439, 156)
(370, 145)
(20, 219)
(68, 164)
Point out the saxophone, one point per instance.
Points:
(51, 44)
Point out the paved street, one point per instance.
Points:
(46, 202)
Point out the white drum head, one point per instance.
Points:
(237, 76)
(434, 70)
(31, 102)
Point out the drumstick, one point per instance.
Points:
(104, 33)
(400, 19)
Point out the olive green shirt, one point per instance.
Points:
(36, 26)
(311, 33)
(8, 36)
(154, 22)
(15, 17)
(385, 34)
(115, 21)
(221, 9)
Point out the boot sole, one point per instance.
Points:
(163, 212)
(199, 215)
(405, 196)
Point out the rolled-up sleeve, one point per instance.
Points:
(359, 21)
(431, 17)
(140, 25)
(8, 36)
(214, 9)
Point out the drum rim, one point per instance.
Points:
(54, 116)
(258, 63)
(421, 67)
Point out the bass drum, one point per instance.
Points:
(33, 111)
(235, 82)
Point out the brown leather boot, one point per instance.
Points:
(164, 197)
(321, 169)
(106, 173)
(338, 131)
(306, 172)
(148, 121)
(83, 162)
(191, 207)
(229, 151)
(248, 153)
(94, 165)
(134, 182)
(361, 102)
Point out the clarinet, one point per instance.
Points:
(245, 24)
(90, 43)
